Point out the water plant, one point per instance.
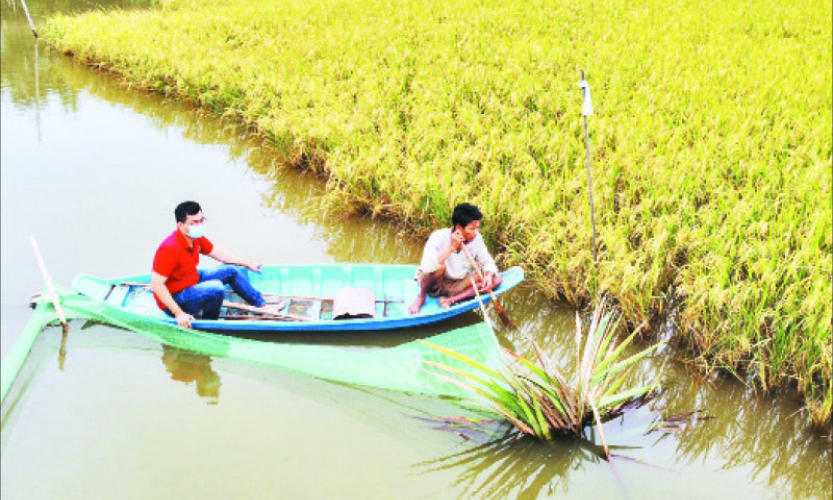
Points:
(539, 400)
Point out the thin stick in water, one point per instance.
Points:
(588, 109)
(31, 24)
(48, 279)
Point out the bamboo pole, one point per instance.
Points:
(31, 24)
(480, 301)
(257, 310)
(587, 110)
(48, 279)
(37, 92)
(499, 308)
(265, 295)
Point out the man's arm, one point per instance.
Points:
(438, 249)
(486, 262)
(229, 258)
(157, 284)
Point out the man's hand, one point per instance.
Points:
(229, 258)
(254, 266)
(184, 319)
(487, 283)
(457, 240)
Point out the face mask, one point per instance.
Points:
(196, 231)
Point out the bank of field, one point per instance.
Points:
(711, 142)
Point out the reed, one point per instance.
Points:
(711, 140)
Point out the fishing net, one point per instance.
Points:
(13, 361)
(399, 368)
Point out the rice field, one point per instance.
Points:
(710, 146)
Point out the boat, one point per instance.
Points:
(325, 297)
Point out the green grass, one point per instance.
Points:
(711, 142)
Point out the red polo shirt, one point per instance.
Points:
(178, 262)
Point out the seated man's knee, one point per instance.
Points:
(231, 272)
(214, 289)
(214, 293)
(497, 280)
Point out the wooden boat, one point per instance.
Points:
(312, 293)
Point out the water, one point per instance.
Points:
(94, 170)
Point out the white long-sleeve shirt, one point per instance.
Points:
(457, 265)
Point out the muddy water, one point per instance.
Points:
(94, 171)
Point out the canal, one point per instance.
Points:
(93, 170)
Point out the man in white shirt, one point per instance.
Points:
(445, 271)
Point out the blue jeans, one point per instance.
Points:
(205, 298)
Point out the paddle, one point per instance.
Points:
(480, 301)
(265, 295)
(500, 312)
(256, 310)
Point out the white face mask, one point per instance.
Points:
(196, 231)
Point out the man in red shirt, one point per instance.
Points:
(184, 291)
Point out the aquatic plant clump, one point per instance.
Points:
(710, 146)
(539, 400)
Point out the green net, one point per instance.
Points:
(399, 368)
(14, 359)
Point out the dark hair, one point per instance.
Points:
(186, 208)
(464, 214)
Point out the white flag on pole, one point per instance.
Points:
(587, 108)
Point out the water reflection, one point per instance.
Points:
(508, 467)
(763, 435)
(27, 78)
(187, 367)
(25, 73)
(62, 350)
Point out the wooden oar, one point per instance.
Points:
(257, 310)
(265, 295)
(480, 302)
(48, 279)
(133, 284)
(499, 308)
(245, 317)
